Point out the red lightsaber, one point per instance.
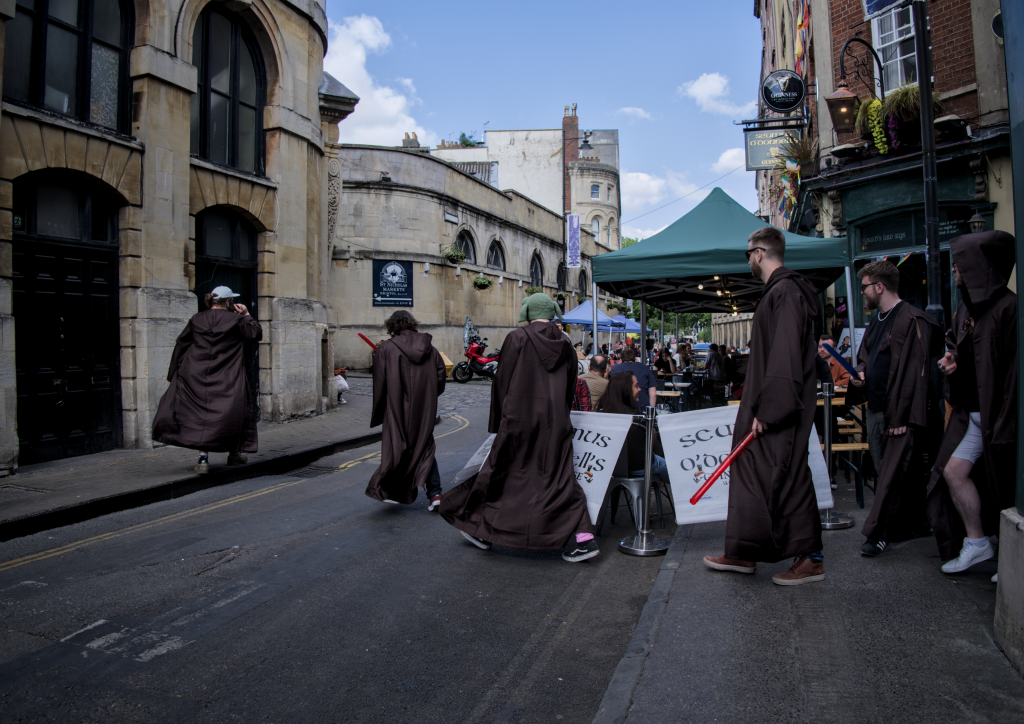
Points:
(363, 336)
(721, 468)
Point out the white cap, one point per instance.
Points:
(223, 293)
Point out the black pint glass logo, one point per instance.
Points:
(783, 91)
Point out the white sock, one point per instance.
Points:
(979, 542)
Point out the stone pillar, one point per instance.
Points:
(1009, 619)
(8, 392)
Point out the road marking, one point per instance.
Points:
(43, 555)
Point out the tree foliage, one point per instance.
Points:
(468, 140)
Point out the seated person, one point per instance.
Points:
(620, 399)
(665, 365)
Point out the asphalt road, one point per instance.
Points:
(296, 598)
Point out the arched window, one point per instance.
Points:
(536, 272)
(608, 232)
(225, 254)
(70, 57)
(495, 256)
(464, 243)
(560, 277)
(583, 282)
(227, 109)
(595, 226)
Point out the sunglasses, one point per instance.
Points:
(865, 286)
(748, 252)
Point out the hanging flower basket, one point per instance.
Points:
(532, 290)
(481, 282)
(453, 255)
(560, 295)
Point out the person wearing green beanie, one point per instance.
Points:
(525, 494)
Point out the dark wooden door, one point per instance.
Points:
(67, 350)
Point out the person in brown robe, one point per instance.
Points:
(208, 406)
(773, 511)
(894, 375)
(525, 494)
(965, 497)
(408, 377)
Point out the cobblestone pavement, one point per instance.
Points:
(456, 397)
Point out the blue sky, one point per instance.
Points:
(671, 76)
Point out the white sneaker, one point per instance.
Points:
(969, 555)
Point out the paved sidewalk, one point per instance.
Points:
(887, 639)
(48, 486)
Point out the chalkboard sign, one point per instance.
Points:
(392, 283)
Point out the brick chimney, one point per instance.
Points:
(570, 130)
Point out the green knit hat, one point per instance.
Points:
(539, 306)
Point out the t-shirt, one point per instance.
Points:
(644, 377)
(663, 364)
(597, 385)
(878, 339)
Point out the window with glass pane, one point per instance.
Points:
(595, 226)
(70, 57)
(495, 257)
(584, 283)
(609, 193)
(595, 191)
(464, 244)
(536, 272)
(227, 106)
(608, 234)
(58, 205)
(223, 234)
(894, 41)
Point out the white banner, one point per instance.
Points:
(696, 442)
(596, 443)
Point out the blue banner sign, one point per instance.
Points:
(573, 247)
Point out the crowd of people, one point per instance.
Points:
(525, 494)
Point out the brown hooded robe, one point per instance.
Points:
(984, 260)
(208, 405)
(773, 512)
(898, 509)
(408, 377)
(526, 495)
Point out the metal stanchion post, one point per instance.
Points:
(830, 520)
(644, 543)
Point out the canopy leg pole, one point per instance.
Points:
(830, 521)
(593, 303)
(644, 543)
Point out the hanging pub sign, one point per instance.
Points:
(572, 251)
(783, 91)
(764, 147)
(392, 283)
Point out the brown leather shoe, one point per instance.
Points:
(803, 570)
(721, 563)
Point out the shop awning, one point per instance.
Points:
(584, 314)
(668, 269)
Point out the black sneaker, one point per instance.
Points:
(872, 548)
(478, 542)
(576, 552)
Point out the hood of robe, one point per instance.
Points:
(215, 322)
(985, 261)
(807, 289)
(549, 341)
(414, 345)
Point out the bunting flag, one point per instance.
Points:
(904, 258)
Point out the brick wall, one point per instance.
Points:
(952, 51)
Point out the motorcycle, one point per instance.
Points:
(476, 362)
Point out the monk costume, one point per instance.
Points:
(408, 376)
(982, 392)
(908, 337)
(773, 511)
(525, 494)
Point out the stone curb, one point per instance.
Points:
(618, 696)
(80, 512)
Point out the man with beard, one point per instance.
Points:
(893, 379)
(773, 512)
(525, 494)
(964, 498)
(408, 377)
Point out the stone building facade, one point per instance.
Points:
(409, 206)
(175, 145)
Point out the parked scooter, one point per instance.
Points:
(476, 362)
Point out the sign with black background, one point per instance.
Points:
(392, 283)
(783, 91)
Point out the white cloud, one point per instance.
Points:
(711, 92)
(729, 161)
(638, 113)
(634, 232)
(640, 189)
(382, 116)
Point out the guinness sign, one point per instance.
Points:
(783, 91)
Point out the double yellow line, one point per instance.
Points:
(43, 555)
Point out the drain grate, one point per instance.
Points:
(308, 472)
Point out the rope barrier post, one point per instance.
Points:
(644, 543)
(830, 520)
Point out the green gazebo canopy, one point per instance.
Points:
(669, 268)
